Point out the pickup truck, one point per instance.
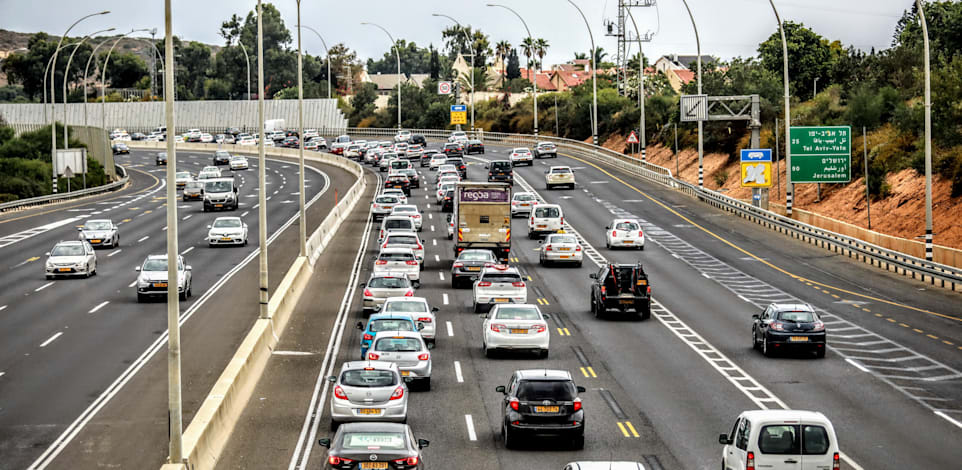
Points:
(621, 287)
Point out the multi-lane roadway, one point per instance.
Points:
(659, 391)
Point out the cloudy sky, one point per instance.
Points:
(728, 28)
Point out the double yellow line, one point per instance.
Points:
(627, 429)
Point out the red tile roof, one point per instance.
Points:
(684, 75)
(544, 79)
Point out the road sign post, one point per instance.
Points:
(459, 114)
(821, 154)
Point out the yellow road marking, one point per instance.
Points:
(593, 375)
(125, 220)
(545, 301)
(147, 212)
(529, 278)
(878, 315)
(632, 428)
(567, 333)
(134, 208)
(561, 332)
(584, 372)
(932, 336)
(623, 430)
(917, 330)
(948, 342)
(756, 257)
(32, 258)
(836, 296)
(891, 320)
(903, 325)
(865, 309)
(539, 302)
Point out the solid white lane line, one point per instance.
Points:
(450, 327)
(118, 250)
(939, 413)
(142, 239)
(857, 365)
(457, 372)
(444, 298)
(187, 251)
(470, 422)
(441, 275)
(99, 306)
(245, 214)
(51, 339)
(44, 286)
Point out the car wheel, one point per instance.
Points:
(607, 244)
(87, 272)
(477, 308)
(454, 282)
(506, 434)
(426, 386)
(489, 353)
(48, 276)
(754, 339)
(579, 264)
(765, 350)
(646, 312)
(820, 353)
(183, 295)
(335, 425)
(543, 354)
(117, 242)
(141, 298)
(578, 443)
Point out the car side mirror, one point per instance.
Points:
(359, 325)
(755, 317)
(420, 326)
(135, 269)
(582, 389)
(607, 227)
(547, 316)
(331, 378)
(235, 190)
(593, 275)
(189, 268)
(362, 285)
(324, 442)
(501, 389)
(208, 226)
(723, 439)
(435, 309)
(430, 345)
(422, 443)
(486, 166)
(540, 242)
(546, 171)
(201, 192)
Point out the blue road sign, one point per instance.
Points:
(458, 108)
(756, 155)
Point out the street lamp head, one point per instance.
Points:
(365, 23)
(104, 12)
(435, 14)
(108, 30)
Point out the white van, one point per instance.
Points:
(545, 218)
(780, 440)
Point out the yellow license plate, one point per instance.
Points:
(367, 465)
(405, 373)
(564, 256)
(525, 205)
(160, 284)
(564, 249)
(218, 205)
(502, 300)
(517, 331)
(225, 239)
(368, 411)
(95, 241)
(546, 409)
(642, 282)
(629, 242)
(542, 226)
(626, 301)
(64, 270)
(799, 339)
(473, 269)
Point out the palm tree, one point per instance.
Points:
(541, 48)
(600, 55)
(581, 55)
(503, 48)
(529, 47)
(481, 79)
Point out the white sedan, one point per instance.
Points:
(518, 327)
(624, 233)
(239, 162)
(227, 231)
(561, 248)
(419, 310)
(409, 210)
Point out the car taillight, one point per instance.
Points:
(603, 290)
(497, 327)
(411, 262)
(484, 284)
(649, 290)
(407, 461)
(380, 262)
(562, 221)
(547, 248)
(339, 393)
(420, 246)
(367, 292)
(338, 460)
(514, 404)
(424, 357)
(640, 234)
(409, 293)
(577, 404)
(614, 233)
(578, 248)
(778, 326)
(458, 265)
(836, 465)
(518, 284)
(539, 328)
(368, 337)
(373, 356)
(488, 265)
(425, 319)
(750, 461)
(819, 326)
(398, 393)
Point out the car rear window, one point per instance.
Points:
(524, 197)
(779, 439)
(814, 440)
(540, 390)
(405, 307)
(399, 344)
(501, 277)
(387, 200)
(562, 239)
(797, 316)
(517, 313)
(402, 240)
(395, 256)
(374, 441)
(368, 378)
(398, 224)
(627, 226)
(399, 282)
(391, 324)
(475, 256)
(550, 212)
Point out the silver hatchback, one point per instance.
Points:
(383, 285)
(368, 391)
(406, 349)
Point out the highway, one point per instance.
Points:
(659, 391)
(70, 346)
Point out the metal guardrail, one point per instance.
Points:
(50, 198)
(947, 276)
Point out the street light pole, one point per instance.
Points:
(261, 171)
(103, 81)
(398, 52)
(174, 405)
(928, 135)
(248, 60)
(46, 73)
(534, 79)
(302, 241)
(53, 119)
(815, 88)
(641, 88)
(789, 187)
(327, 52)
(87, 69)
(701, 125)
(468, 38)
(594, 78)
(65, 80)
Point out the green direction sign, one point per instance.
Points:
(821, 154)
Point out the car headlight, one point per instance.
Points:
(141, 282)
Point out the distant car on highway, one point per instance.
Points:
(227, 231)
(339, 144)
(622, 287)
(788, 326)
(418, 139)
(100, 232)
(419, 309)
(604, 465)
(561, 248)
(544, 219)
(383, 284)
(402, 136)
(515, 328)
(206, 138)
(379, 322)
(238, 162)
(398, 261)
(161, 158)
(152, 280)
(406, 348)
(137, 136)
(220, 194)
(310, 134)
(521, 156)
(409, 210)
(499, 284)
(208, 172)
(522, 203)
(780, 440)
(436, 161)
(221, 157)
(120, 148)
(559, 176)
(542, 402)
(71, 258)
(469, 264)
(458, 136)
(474, 146)
(193, 190)
(181, 178)
(394, 441)
(405, 240)
(546, 150)
(624, 233)
(368, 391)
(383, 205)
(453, 149)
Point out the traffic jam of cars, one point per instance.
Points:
(399, 327)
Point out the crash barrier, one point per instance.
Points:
(21, 204)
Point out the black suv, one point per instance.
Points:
(542, 402)
(221, 157)
(458, 163)
(400, 182)
(622, 287)
(501, 171)
(418, 139)
(474, 146)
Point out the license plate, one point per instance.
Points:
(160, 284)
(225, 239)
(516, 331)
(546, 409)
(525, 205)
(405, 373)
(95, 241)
(564, 249)
(367, 465)
(629, 242)
(501, 300)
(473, 269)
(542, 226)
(628, 301)
(368, 411)
(218, 205)
(64, 270)
(564, 256)
(798, 339)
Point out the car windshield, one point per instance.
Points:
(391, 282)
(447, 187)
(155, 265)
(97, 225)
(551, 212)
(227, 223)
(561, 170)
(194, 185)
(218, 186)
(398, 344)
(476, 256)
(67, 250)
(368, 378)
(562, 239)
(540, 390)
(524, 197)
(405, 307)
(402, 240)
(626, 226)
(501, 277)
(390, 324)
(517, 313)
(797, 316)
(370, 441)
(222, 153)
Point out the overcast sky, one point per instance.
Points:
(728, 28)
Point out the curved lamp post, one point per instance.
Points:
(534, 79)
(594, 79)
(701, 171)
(789, 187)
(928, 135)
(46, 73)
(327, 52)
(396, 51)
(67, 71)
(468, 38)
(87, 69)
(103, 81)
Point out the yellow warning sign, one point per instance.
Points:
(756, 174)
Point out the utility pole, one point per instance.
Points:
(701, 124)
(868, 196)
(302, 233)
(928, 135)
(261, 170)
(153, 61)
(617, 29)
(789, 188)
